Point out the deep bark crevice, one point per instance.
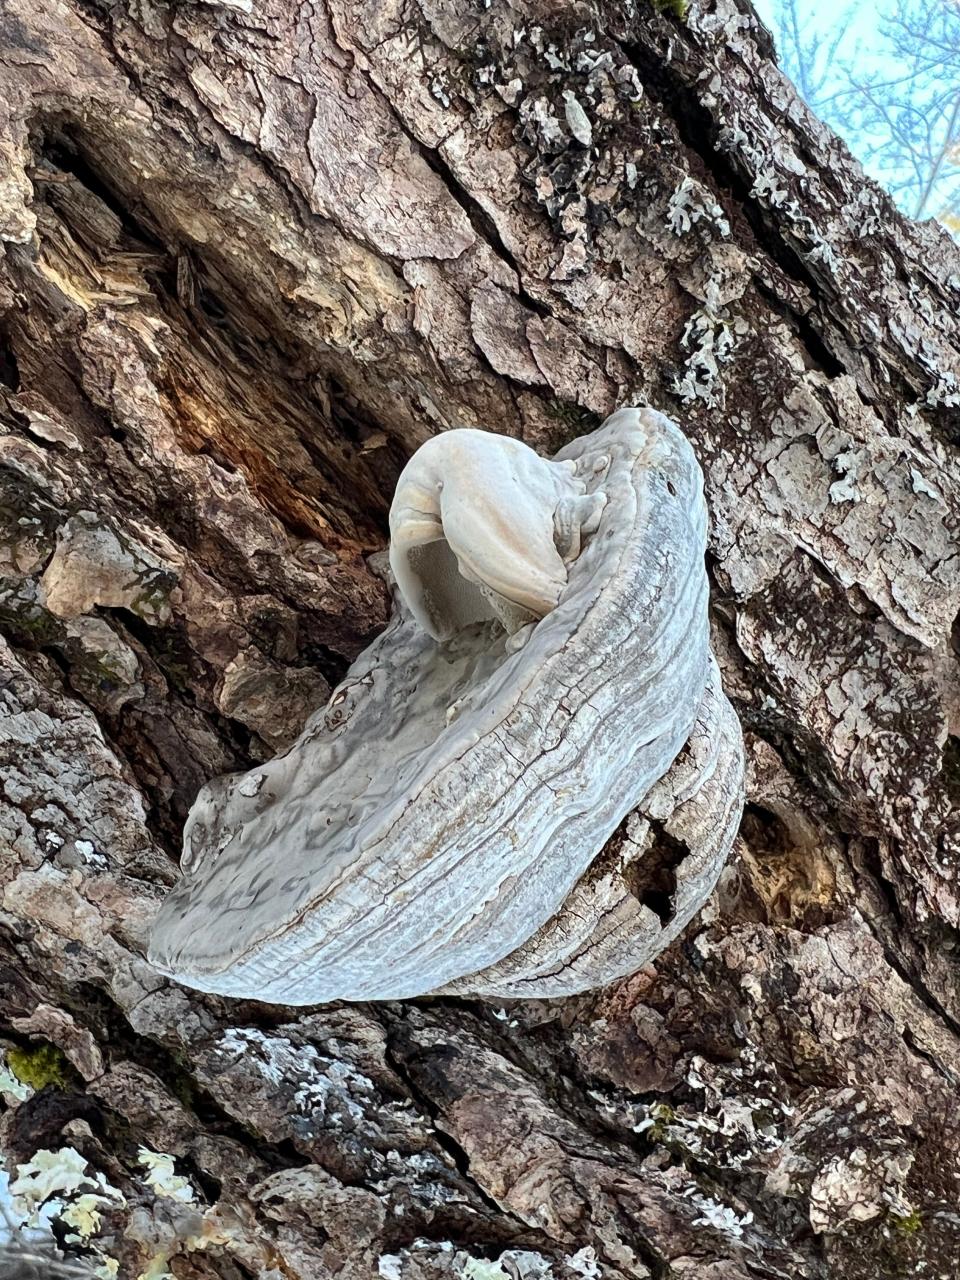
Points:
(698, 131)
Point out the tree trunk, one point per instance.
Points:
(254, 254)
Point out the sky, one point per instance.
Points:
(918, 101)
(825, 14)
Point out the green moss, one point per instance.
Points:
(908, 1224)
(40, 1065)
(677, 7)
(662, 1117)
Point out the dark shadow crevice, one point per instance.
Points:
(652, 879)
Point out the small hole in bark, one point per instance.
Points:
(211, 1187)
(764, 831)
(786, 867)
(653, 878)
(660, 903)
(211, 306)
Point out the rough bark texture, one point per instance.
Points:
(253, 255)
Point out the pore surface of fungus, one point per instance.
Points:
(526, 786)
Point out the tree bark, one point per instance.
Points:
(253, 255)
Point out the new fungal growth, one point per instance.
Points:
(526, 786)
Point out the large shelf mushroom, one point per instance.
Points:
(481, 805)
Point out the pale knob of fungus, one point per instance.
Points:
(526, 786)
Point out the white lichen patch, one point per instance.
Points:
(61, 1174)
(578, 122)
(83, 1217)
(12, 1089)
(482, 1269)
(919, 484)
(822, 252)
(720, 1216)
(692, 203)
(439, 86)
(91, 855)
(325, 1089)
(421, 1175)
(584, 1263)
(537, 113)
(845, 489)
(740, 1122)
(513, 1264)
(945, 391)
(711, 340)
(162, 1179)
(57, 1185)
(766, 187)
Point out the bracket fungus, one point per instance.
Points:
(526, 786)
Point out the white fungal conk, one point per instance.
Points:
(564, 823)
